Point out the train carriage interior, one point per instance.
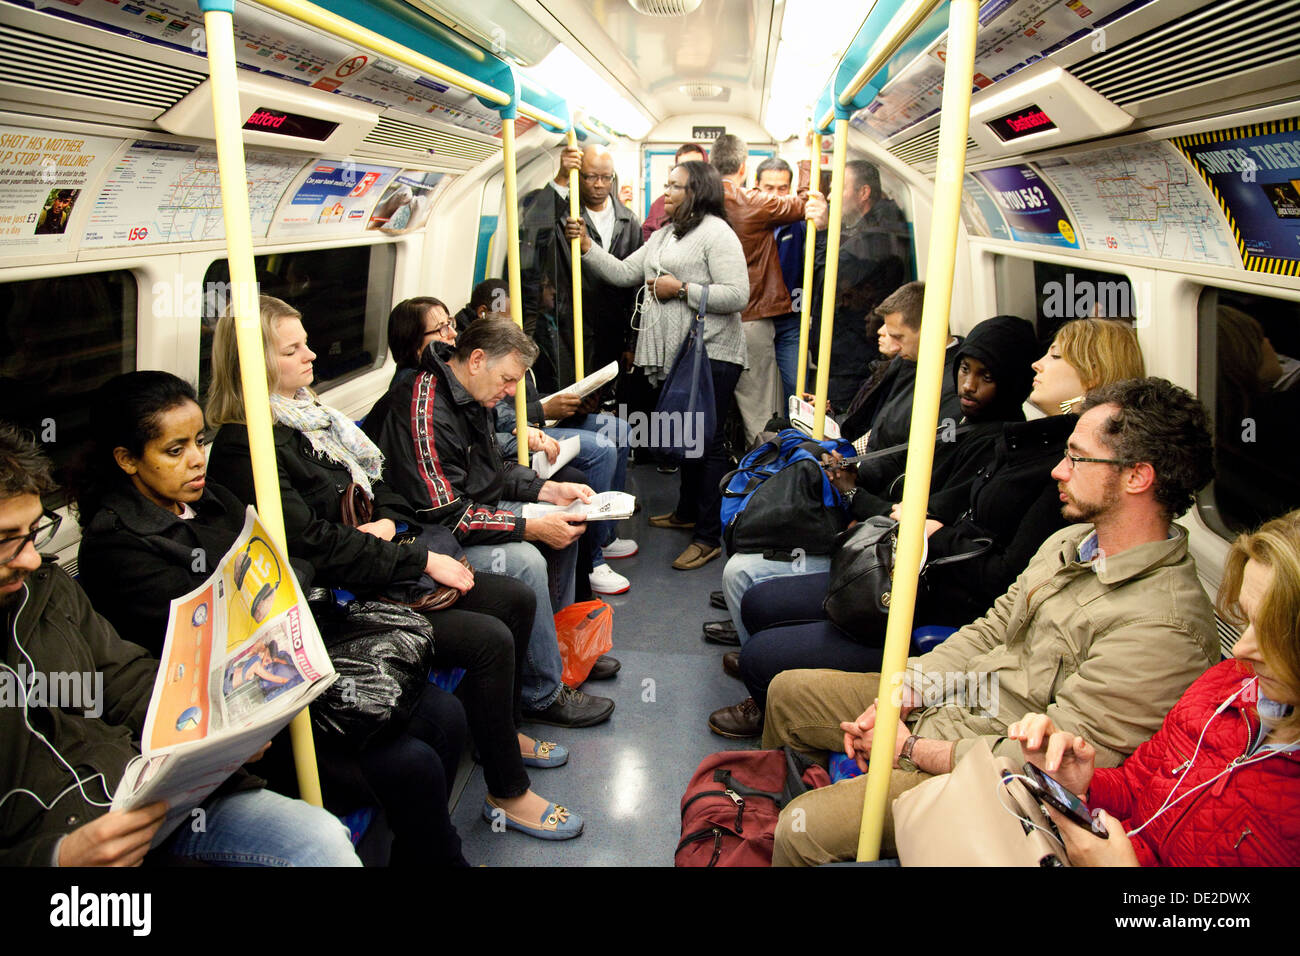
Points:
(1128, 159)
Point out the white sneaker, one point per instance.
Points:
(605, 580)
(619, 548)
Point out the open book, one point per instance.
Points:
(242, 657)
(584, 387)
(606, 506)
(803, 414)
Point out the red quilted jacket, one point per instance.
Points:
(1250, 817)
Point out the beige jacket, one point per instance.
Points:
(1105, 649)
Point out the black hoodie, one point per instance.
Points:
(1007, 346)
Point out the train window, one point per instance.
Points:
(1053, 294)
(60, 339)
(1249, 377)
(344, 295)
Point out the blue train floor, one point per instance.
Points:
(626, 776)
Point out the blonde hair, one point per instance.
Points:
(1101, 351)
(1276, 545)
(225, 401)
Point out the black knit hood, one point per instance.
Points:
(1008, 346)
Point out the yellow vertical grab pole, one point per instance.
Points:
(575, 267)
(963, 24)
(512, 273)
(809, 256)
(836, 214)
(227, 122)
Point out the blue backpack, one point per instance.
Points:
(780, 499)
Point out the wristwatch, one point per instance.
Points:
(681, 293)
(905, 761)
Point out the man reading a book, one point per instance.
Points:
(61, 765)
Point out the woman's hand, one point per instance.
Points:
(665, 287)
(577, 229)
(931, 524)
(1086, 849)
(447, 570)
(383, 528)
(1069, 758)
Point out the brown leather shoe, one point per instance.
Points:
(731, 664)
(737, 721)
(670, 520)
(695, 556)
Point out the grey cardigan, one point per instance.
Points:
(710, 254)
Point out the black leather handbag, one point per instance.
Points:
(862, 577)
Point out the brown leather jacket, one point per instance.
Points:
(753, 215)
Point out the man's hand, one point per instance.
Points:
(591, 404)
(665, 287)
(845, 477)
(564, 492)
(570, 158)
(818, 210)
(557, 531)
(1086, 849)
(562, 405)
(118, 838)
(860, 731)
(577, 229)
(445, 569)
(538, 440)
(1067, 757)
(260, 753)
(383, 528)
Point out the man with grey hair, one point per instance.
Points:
(544, 255)
(754, 214)
(438, 437)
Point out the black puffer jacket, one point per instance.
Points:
(311, 490)
(441, 452)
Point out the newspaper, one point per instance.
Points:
(242, 657)
(568, 449)
(803, 414)
(606, 506)
(584, 387)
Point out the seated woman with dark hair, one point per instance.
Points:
(153, 529)
(320, 452)
(1219, 783)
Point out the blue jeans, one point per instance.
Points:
(261, 828)
(743, 571)
(543, 666)
(785, 340)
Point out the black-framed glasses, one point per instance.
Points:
(440, 328)
(597, 177)
(39, 536)
(1076, 459)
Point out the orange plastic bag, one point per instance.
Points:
(584, 631)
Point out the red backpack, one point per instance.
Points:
(730, 808)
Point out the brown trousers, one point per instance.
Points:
(804, 711)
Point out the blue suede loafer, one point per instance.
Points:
(547, 754)
(556, 823)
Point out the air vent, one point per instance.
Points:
(704, 91)
(665, 8)
(924, 148)
(1218, 41)
(398, 134)
(1228, 635)
(52, 65)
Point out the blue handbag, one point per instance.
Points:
(686, 417)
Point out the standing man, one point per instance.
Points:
(754, 214)
(775, 176)
(606, 309)
(875, 259)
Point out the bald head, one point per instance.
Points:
(597, 176)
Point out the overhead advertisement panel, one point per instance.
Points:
(405, 205)
(1032, 211)
(981, 208)
(336, 196)
(1143, 200)
(43, 181)
(170, 192)
(1013, 34)
(1254, 172)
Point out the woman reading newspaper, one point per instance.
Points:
(148, 516)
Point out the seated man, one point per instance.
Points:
(1103, 631)
(62, 763)
(436, 432)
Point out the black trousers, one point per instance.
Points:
(486, 632)
(699, 499)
